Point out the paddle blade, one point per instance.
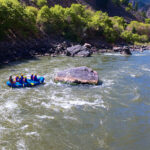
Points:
(32, 84)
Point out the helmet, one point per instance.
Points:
(32, 74)
(25, 77)
(21, 74)
(17, 76)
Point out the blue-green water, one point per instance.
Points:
(113, 116)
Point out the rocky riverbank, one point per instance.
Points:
(16, 50)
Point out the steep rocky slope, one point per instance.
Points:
(104, 5)
(144, 6)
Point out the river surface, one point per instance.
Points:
(55, 116)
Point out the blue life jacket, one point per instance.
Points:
(31, 77)
(21, 77)
(17, 79)
(25, 80)
(21, 81)
(35, 78)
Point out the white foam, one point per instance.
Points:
(45, 117)
(21, 145)
(146, 69)
(3, 148)
(133, 75)
(32, 133)
(101, 122)
(58, 103)
(26, 69)
(24, 127)
(70, 118)
(107, 82)
(113, 54)
(10, 105)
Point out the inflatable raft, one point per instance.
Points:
(30, 83)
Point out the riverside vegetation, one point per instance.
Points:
(76, 23)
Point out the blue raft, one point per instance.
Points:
(30, 83)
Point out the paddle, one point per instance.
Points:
(32, 84)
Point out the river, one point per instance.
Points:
(55, 116)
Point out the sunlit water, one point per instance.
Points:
(54, 116)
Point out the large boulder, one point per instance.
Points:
(78, 75)
(78, 50)
(126, 51)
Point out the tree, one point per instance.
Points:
(136, 6)
(41, 3)
(147, 20)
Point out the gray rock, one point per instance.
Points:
(87, 45)
(78, 75)
(117, 49)
(126, 51)
(84, 54)
(78, 50)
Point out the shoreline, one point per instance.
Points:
(53, 46)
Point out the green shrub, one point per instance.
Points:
(13, 17)
(143, 39)
(140, 27)
(43, 15)
(136, 6)
(143, 13)
(32, 12)
(147, 20)
(128, 9)
(41, 3)
(128, 36)
(119, 23)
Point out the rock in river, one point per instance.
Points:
(78, 75)
(78, 50)
(126, 51)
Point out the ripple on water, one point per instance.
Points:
(146, 69)
(21, 145)
(45, 117)
(69, 104)
(113, 54)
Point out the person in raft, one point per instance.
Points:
(11, 80)
(20, 80)
(22, 77)
(35, 77)
(25, 80)
(17, 78)
(32, 76)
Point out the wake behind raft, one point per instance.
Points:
(29, 83)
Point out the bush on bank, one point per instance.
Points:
(75, 22)
(14, 17)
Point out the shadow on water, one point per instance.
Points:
(14, 63)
